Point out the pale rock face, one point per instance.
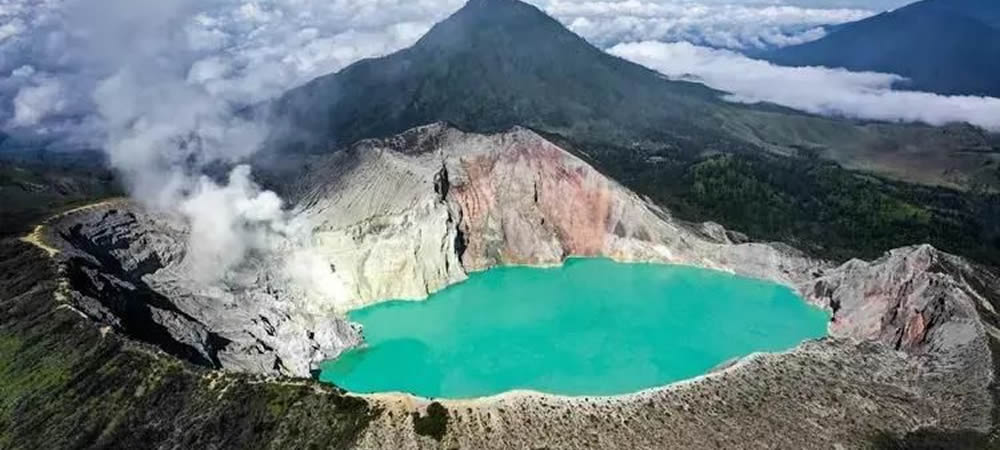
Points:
(404, 217)
(934, 307)
(125, 267)
(381, 226)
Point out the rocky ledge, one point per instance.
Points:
(912, 336)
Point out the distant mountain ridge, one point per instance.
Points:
(942, 46)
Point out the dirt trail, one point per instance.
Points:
(37, 235)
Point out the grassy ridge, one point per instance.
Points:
(66, 384)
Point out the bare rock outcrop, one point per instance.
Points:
(406, 216)
(124, 267)
(937, 308)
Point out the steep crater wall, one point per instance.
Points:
(392, 219)
(124, 267)
(406, 216)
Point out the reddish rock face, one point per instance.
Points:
(915, 330)
(901, 300)
(553, 206)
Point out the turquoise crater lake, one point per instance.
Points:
(590, 327)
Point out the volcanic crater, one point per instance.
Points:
(911, 335)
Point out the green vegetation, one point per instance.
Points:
(434, 424)
(36, 185)
(65, 384)
(811, 204)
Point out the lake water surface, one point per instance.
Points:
(590, 327)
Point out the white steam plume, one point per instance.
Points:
(163, 130)
(227, 221)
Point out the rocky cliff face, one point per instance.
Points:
(398, 218)
(937, 309)
(124, 267)
(403, 217)
(907, 299)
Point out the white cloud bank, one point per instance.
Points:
(728, 25)
(36, 101)
(819, 90)
(251, 50)
(236, 52)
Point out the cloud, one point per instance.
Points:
(835, 92)
(256, 50)
(728, 25)
(236, 50)
(37, 101)
(10, 29)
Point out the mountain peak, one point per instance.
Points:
(491, 65)
(499, 21)
(494, 5)
(498, 12)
